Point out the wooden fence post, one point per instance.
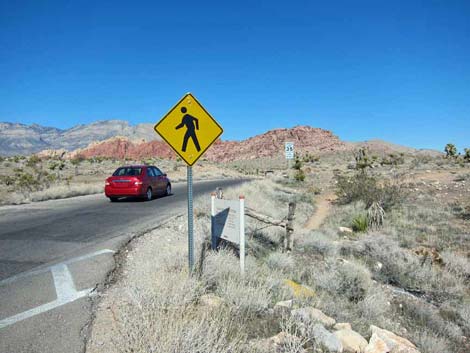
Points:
(289, 238)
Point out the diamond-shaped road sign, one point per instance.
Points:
(189, 129)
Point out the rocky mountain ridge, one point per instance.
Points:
(269, 144)
(21, 139)
(117, 139)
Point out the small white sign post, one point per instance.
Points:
(228, 223)
(289, 149)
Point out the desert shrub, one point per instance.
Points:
(466, 155)
(393, 159)
(33, 160)
(405, 270)
(7, 180)
(145, 326)
(360, 223)
(375, 216)
(457, 264)
(297, 163)
(362, 186)
(363, 160)
(420, 314)
(429, 342)
(278, 261)
(349, 280)
(450, 150)
(314, 190)
(299, 175)
(248, 295)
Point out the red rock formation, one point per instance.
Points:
(269, 144)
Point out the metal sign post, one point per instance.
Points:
(190, 219)
(242, 234)
(189, 130)
(289, 150)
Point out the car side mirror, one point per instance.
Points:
(164, 174)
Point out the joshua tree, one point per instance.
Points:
(466, 156)
(450, 150)
(362, 159)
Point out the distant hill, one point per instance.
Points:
(269, 144)
(118, 139)
(21, 139)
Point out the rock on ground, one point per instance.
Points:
(310, 315)
(394, 342)
(376, 345)
(342, 326)
(326, 339)
(352, 341)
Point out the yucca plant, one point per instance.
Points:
(375, 216)
(360, 223)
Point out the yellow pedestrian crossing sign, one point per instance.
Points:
(189, 129)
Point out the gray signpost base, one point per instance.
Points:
(190, 219)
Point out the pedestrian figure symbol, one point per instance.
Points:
(192, 124)
(189, 129)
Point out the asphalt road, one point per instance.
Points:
(53, 254)
(38, 234)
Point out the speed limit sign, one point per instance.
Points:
(289, 149)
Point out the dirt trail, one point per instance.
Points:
(323, 206)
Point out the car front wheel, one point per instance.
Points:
(168, 190)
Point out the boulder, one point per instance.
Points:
(345, 230)
(352, 341)
(376, 345)
(342, 326)
(326, 339)
(310, 315)
(395, 343)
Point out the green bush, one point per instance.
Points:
(32, 161)
(450, 150)
(360, 223)
(466, 156)
(299, 175)
(393, 159)
(362, 186)
(363, 160)
(297, 164)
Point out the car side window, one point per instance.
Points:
(150, 172)
(157, 171)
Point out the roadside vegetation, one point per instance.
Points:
(29, 179)
(393, 253)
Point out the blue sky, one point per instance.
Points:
(394, 70)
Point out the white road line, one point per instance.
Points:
(43, 308)
(64, 287)
(47, 269)
(63, 281)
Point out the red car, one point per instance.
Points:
(137, 181)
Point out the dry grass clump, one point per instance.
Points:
(278, 261)
(347, 279)
(66, 191)
(250, 294)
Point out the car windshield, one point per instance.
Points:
(128, 171)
